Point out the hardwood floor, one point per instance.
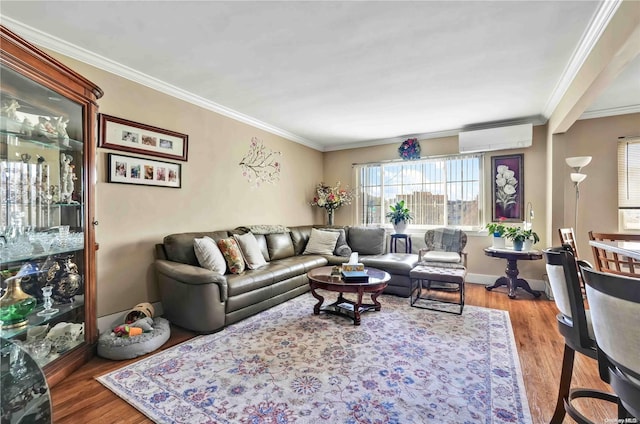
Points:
(81, 399)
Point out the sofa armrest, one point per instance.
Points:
(192, 275)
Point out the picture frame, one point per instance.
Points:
(142, 171)
(507, 188)
(134, 137)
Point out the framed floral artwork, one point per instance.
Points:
(507, 187)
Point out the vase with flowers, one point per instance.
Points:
(331, 198)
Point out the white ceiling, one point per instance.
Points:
(334, 74)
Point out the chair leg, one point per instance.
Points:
(564, 386)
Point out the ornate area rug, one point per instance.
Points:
(286, 365)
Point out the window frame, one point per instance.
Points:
(447, 161)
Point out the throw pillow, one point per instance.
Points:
(321, 242)
(233, 256)
(250, 250)
(342, 248)
(209, 255)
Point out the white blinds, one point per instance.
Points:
(629, 173)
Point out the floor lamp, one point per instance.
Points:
(577, 163)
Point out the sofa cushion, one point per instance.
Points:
(342, 248)
(280, 246)
(393, 263)
(300, 237)
(209, 255)
(179, 247)
(367, 241)
(250, 250)
(321, 242)
(232, 255)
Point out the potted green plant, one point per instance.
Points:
(531, 239)
(496, 230)
(399, 216)
(517, 235)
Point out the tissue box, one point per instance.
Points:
(353, 267)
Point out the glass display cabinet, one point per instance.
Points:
(47, 180)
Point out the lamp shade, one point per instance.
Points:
(577, 178)
(578, 161)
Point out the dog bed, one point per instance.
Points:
(112, 347)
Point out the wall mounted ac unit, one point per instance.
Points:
(512, 137)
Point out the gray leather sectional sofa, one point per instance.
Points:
(200, 300)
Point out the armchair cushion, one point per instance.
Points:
(440, 256)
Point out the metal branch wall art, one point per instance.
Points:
(260, 164)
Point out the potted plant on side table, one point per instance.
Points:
(497, 229)
(531, 239)
(519, 236)
(399, 216)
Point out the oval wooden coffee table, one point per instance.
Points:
(321, 278)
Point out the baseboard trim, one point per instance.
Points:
(488, 280)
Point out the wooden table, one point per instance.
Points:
(630, 249)
(321, 278)
(511, 279)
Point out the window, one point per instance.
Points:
(629, 184)
(445, 191)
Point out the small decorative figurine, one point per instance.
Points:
(67, 177)
(9, 109)
(27, 127)
(61, 128)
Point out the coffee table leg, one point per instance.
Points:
(374, 299)
(316, 307)
(356, 308)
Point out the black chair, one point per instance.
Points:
(615, 311)
(574, 324)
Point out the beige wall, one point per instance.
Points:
(598, 201)
(338, 167)
(214, 194)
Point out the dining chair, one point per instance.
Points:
(574, 324)
(567, 236)
(611, 262)
(615, 308)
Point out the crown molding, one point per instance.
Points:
(592, 34)
(75, 52)
(623, 110)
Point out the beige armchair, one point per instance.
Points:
(444, 248)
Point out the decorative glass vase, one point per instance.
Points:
(330, 213)
(517, 244)
(15, 305)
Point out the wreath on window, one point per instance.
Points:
(409, 149)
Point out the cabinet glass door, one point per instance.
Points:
(42, 228)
